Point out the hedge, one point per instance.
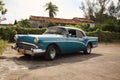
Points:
(104, 36)
(30, 30)
(8, 33)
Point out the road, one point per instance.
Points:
(102, 64)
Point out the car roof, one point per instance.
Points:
(66, 27)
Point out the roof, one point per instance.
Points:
(61, 20)
(6, 24)
(66, 27)
(82, 20)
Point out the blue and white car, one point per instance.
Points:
(55, 40)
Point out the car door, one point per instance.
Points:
(81, 39)
(75, 42)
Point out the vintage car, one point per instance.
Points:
(55, 40)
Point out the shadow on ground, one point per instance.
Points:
(39, 61)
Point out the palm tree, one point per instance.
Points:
(51, 8)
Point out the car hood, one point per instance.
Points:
(30, 38)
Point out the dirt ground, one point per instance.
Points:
(102, 64)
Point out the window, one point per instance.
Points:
(56, 30)
(72, 32)
(79, 34)
(76, 33)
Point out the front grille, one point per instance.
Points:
(26, 46)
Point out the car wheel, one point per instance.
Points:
(88, 50)
(27, 55)
(51, 52)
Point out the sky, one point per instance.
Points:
(22, 9)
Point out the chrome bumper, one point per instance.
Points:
(30, 52)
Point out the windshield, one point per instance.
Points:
(56, 30)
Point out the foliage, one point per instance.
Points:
(101, 10)
(51, 8)
(9, 32)
(48, 24)
(104, 32)
(15, 23)
(3, 11)
(110, 26)
(30, 30)
(113, 10)
(23, 23)
(3, 44)
(104, 36)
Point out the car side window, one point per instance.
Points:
(72, 32)
(79, 34)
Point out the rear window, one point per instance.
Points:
(56, 30)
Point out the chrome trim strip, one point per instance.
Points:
(73, 41)
(67, 41)
(34, 51)
(31, 52)
(29, 44)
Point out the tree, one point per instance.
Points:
(51, 8)
(114, 10)
(23, 23)
(98, 10)
(15, 22)
(3, 11)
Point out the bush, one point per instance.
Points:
(30, 30)
(110, 26)
(105, 36)
(9, 32)
(3, 44)
(24, 23)
(48, 24)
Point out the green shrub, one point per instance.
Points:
(24, 23)
(104, 36)
(30, 30)
(111, 26)
(10, 32)
(3, 44)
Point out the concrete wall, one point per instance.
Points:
(37, 24)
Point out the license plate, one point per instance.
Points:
(21, 51)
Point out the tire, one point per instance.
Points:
(27, 55)
(51, 52)
(88, 50)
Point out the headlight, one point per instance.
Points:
(35, 39)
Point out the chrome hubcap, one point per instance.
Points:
(88, 49)
(52, 53)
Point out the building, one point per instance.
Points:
(38, 21)
(5, 25)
